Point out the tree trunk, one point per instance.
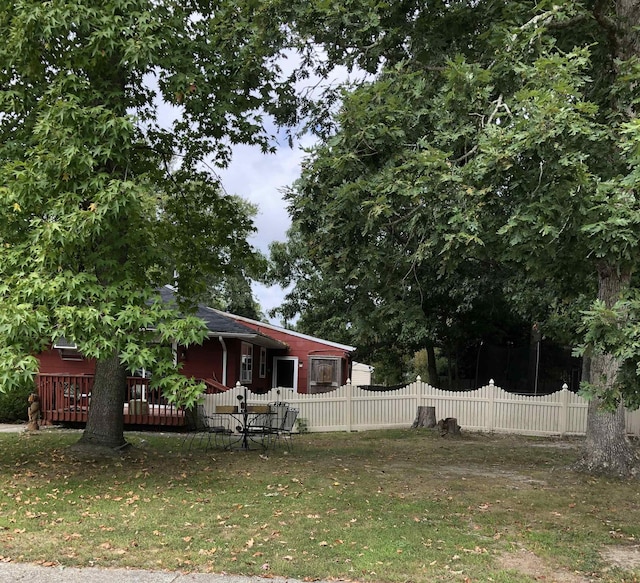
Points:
(448, 426)
(628, 12)
(432, 371)
(426, 417)
(607, 449)
(105, 424)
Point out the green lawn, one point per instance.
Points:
(399, 506)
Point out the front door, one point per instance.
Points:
(285, 372)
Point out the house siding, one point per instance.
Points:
(202, 361)
(302, 348)
(52, 362)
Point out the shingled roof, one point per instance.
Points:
(223, 326)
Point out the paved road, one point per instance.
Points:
(26, 573)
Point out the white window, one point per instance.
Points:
(325, 373)
(263, 362)
(246, 363)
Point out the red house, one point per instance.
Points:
(259, 356)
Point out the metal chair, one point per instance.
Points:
(210, 425)
(286, 430)
(260, 428)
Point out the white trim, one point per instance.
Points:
(249, 369)
(63, 343)
(262, 364)
(174, 351)
(225, 357)
(255, 338)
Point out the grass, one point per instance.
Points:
(395, 506)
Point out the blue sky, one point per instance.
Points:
(260, 178)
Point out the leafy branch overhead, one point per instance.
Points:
(97, 103)
(492, 151)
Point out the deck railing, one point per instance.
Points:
(67, 398)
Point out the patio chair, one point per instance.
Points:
(286, 430)
(279, 410)
(260, 428)
(216, 426)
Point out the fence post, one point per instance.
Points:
(492, 404)
(564, 411)
(349, 389)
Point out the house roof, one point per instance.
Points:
(267, 327)
(224, 326)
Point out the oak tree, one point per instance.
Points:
(491, 134)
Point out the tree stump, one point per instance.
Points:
(448, 426)
(426, 417)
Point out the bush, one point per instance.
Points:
(14, 403)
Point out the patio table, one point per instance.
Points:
(252, 424)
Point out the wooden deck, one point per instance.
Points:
(67, 398)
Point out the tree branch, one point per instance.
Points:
(610, 26)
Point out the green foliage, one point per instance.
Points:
(94, 215)
(491, 158)
(15, 402)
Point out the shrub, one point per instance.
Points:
(14, 403)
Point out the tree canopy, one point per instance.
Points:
(97, 102)
(497, 144)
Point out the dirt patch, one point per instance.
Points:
(529, 564)
(504, 475)
(623, 557)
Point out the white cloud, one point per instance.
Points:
(261, 179)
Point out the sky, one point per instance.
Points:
(260, 178)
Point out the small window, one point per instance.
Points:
(246, 363)
(263, 362)
(70, 354)
(324, 373)
(68, 350)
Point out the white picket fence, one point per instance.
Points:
(488, 408)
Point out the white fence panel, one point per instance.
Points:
(489, 408)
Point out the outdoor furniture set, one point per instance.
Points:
(245, 426)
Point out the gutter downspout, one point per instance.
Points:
(224, 360)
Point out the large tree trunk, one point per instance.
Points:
(628, 12)
(432, 371)
(607, 449)
(105, 424)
